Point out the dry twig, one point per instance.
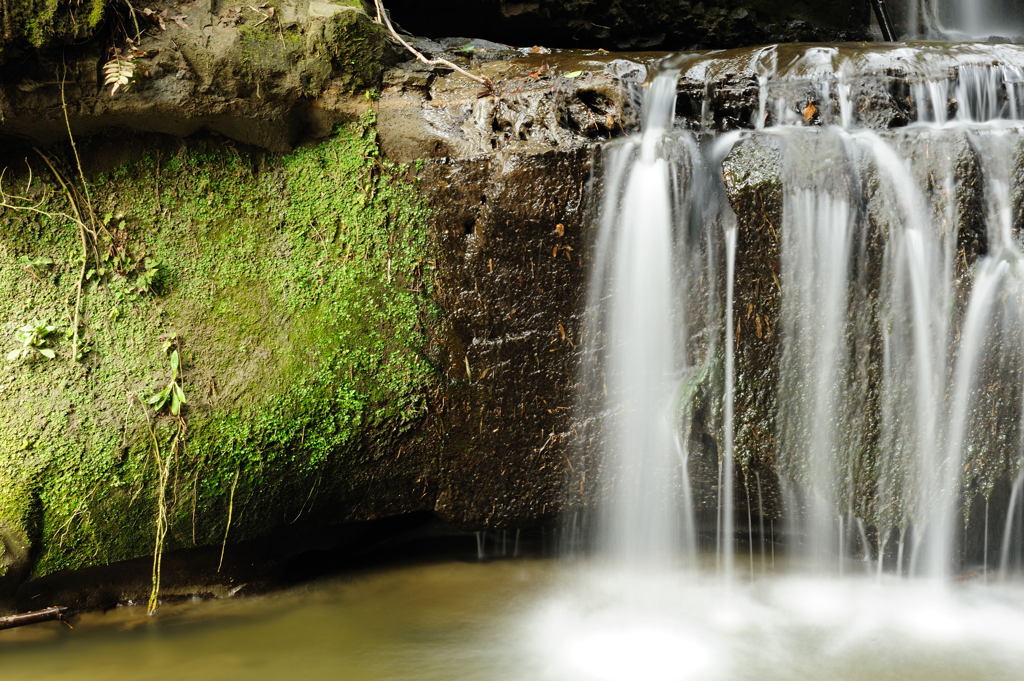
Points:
(227, 527)
(56, 612)
(383, 18)
(83, 228)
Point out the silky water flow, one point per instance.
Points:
(897, 404)
(960, 19)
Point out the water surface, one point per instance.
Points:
(542, 620)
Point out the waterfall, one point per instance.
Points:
(1007, 547)
(817, 245)
(933, 349)
(640, 359)
(961, 19)
(653, 300)
(900, 345)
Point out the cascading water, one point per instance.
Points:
(817, 246)
(878, 392)
(961, 19)
(653, 301)
(644, 323)
(887, 199)
(898, 359)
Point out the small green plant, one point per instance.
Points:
(148, 276)
(172, 396)
(172, 399)
(141, 271)
(35, 340)
(37, 267)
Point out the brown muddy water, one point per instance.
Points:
(531, 620)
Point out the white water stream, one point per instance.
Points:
(643, 520)
(900, 347)
(653, 301)
(961, 19)
(899, 393)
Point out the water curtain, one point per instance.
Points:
(896, 395)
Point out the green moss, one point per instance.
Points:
(296, 286)
(359, 49)
(41, 22)
(342, 43)
(332, 40)
(97, 9)
(264, 50)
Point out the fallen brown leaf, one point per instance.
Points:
(809, 111)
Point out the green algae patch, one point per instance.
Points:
(279, 46)
(333, 40)
(43, 22)
(296, 288)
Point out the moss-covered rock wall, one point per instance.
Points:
(296, 288)
(270, 76)
(44, 22)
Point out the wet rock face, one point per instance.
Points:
(504, 181)
(633, 24)
(539, 103)
(752, 175)
(486, 443)
(268, 78)
(511, 236)
(233, 78)
(726, 90)
(504, 173)
(873, 86)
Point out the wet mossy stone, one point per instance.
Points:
(316, 40)
(297, 288)
(41, 23)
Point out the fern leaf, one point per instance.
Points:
(119, 71)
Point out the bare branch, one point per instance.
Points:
(23, 203)
(385, 19)
(83, 230)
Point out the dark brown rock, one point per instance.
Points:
(511, 235)
(633, 24)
